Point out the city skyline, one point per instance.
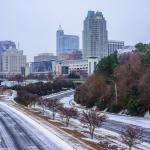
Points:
(34, 23)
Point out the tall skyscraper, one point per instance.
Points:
(66, 43)
(95, 40)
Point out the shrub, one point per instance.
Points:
(101, 105)
(115, 108)
(20, 101)
(133, 107)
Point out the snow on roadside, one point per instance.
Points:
(147, 115)
(67, 101)
(58, 94)
(56, 140)
(138, 121)
(114, 138)
(9, 95)
(25, 82)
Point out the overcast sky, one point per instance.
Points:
(34, 22)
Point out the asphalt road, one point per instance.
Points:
(119, 126)
(17, 134)
(113, 125)
(60, 95)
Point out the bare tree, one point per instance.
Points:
(68, 113)
(54, 105)
(43, 103)
(131, 136)
(92, 120)
(33, 100)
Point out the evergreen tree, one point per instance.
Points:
(107, 65)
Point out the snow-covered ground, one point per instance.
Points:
(110, 132)
(48, 137)
(9, 83)
(67, 101)
(25, 82)
(37, 129)
(138, 121)
(59, 95)
(120, 120)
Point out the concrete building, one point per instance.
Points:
(95, 40)
(44, 57)
(77, 66)
(61, 69)
(58, 69)
(4, 45)
(42, 67)
(92, 63)
(12, 61)
(114, 46)
(65, 43)
(27, 70)
(71, 55)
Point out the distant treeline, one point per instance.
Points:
(32, 92)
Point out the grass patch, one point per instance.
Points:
(58, 124)
(79, 136)
(74, 133)
(93, 145)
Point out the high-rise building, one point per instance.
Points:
(66, 43)
(114, 46)
(4, 45)
(72, 55)
(44, 57)
(95, 40)
(12, 61)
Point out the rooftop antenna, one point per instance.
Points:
(59, 28)
(18, 46)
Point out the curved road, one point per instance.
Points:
(16, 133)
(117, 127)
(112, 125)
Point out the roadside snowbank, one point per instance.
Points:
(138, 121)
(38, 128)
